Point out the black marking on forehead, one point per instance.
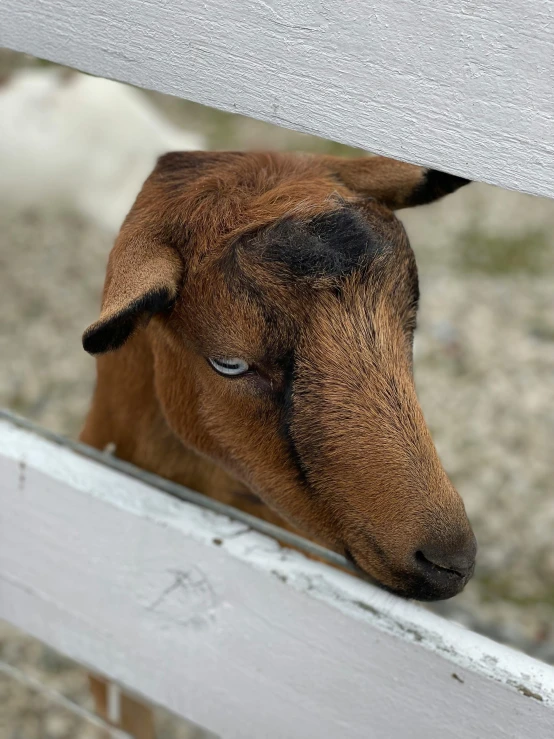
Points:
(330, 245)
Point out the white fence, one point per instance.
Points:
(217, 622)
(462, 85)
(172, 598)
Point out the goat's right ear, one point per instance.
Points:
(395, 184)
(143, 278)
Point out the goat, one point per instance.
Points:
(255, 343)
(79, 143)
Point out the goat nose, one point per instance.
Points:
(458, 559)
(443, 570)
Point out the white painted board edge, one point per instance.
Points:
(461, 86)
(220, 624)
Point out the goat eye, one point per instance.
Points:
(229, 367)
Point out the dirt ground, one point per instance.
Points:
(484, 364)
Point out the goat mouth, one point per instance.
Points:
(361, 573)
(372, 580)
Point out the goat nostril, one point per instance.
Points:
(460, 563)
(428, 565)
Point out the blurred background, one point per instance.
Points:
(73, 153)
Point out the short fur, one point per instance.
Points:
(296, 264)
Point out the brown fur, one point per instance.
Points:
(327, 430)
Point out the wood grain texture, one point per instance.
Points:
(221, 625)
(458, 85)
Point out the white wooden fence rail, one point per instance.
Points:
(219, 623)
(462, 85)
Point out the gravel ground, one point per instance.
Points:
(484, 371)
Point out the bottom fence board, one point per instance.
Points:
(220, 624)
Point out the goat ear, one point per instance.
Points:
(144, 275)
(395, 184)
(143, 278)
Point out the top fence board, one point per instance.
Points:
(458, 85)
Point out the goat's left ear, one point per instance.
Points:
(142, 279)
(393, 183)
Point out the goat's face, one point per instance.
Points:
(285, 293)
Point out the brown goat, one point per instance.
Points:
(256, 345)
(276, 368)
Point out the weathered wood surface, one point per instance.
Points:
(459, 85)
(218, 623)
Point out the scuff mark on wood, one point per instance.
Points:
(189, 599)
(22, 475)
(524, 690)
